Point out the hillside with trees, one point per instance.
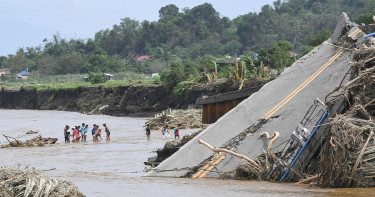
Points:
(185, 40)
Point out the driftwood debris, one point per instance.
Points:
(36, 141)
(29, 182)
(348, 157)
(354, 170)
(308, 179)
(189, 118)
(273, 138)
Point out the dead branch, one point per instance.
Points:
(273, 138)
(347, 99)
(286, 165)
(370, 60)
(371, 102)
(354, 170)
(267, 135)
(200, 141)
(308, 179)
(276, 136)
(6, 137)
(333, 91)
(367, 71)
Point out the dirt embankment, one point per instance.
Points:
(136, 100)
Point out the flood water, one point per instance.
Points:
(115, 168)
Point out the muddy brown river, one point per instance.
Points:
(115, 168)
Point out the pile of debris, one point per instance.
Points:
(188, 118)
(29, 182)
(34, 142)
(348, 156)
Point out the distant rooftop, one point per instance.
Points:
(4, 69)
(143, 57)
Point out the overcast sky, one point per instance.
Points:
(25, 23)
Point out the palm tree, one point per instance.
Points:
(164, 55)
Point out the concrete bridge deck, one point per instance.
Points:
(282, 103)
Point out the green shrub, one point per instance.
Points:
(171, 77)
(96, 78)
(365, 18)
(182, 90)
(156, 79)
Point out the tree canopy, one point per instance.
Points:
(188, 34)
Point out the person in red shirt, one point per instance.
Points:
(98, 132)
(177, 131)
(75, 134)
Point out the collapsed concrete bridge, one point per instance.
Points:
(278, 106)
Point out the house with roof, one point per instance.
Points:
(143, 58)
(4, 71)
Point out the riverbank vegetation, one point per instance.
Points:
(183, 44)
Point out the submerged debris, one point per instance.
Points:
(36, 141)
(29, 182)
(169, 148)
(32, 132)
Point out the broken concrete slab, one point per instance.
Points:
(277, 106)
(343, 25)
(286, 119)
(252, 109)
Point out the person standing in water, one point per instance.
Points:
(93, 132)
(67, 134)
(177, 131)
(107, 132)
(164, 131)
(148, 132)
(98, 133)
(82, 132)
(75, 134)
(78, 133)
(85, 132)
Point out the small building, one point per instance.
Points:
(107, 76)
(215, 107)
(23, 74)
(4, 71)
(155, 75)
(143, 58)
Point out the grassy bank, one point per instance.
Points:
(72, 81)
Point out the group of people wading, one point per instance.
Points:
(79, 133)
(164, 131)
